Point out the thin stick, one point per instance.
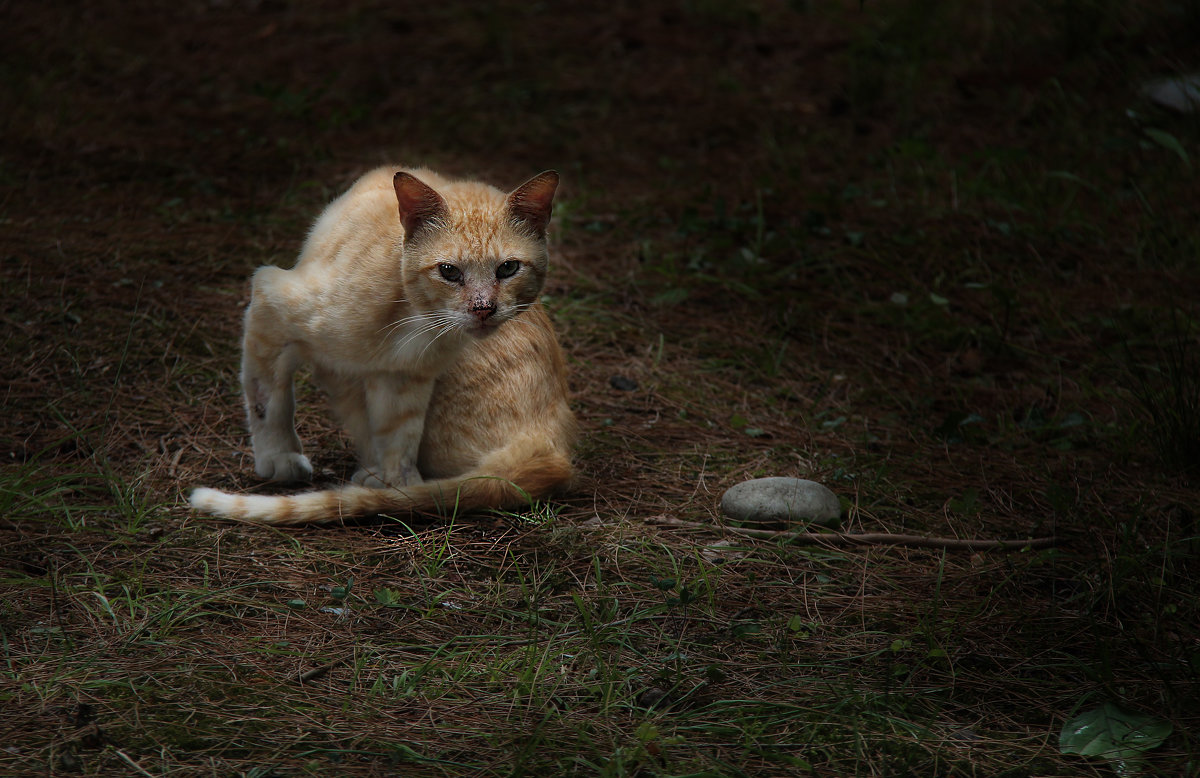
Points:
(861, 539)
(317, 672)
(137, 767)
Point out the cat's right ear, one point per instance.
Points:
(532, 201)
(420, 206)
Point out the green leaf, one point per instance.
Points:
(386, 597)
(341, 592)
(1115, 735)
(646, 732)
(745, 630)
(1168, 142)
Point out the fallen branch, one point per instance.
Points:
(317, 672)
(835, 539)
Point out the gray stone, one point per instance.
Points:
(1180, 94)
(781, 501)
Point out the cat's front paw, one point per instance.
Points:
(365, 477)
(286, 466)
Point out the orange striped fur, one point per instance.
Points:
(415, 302)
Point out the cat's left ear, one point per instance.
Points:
(531, 202)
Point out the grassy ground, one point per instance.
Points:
(940, 257)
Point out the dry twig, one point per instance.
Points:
(860, 539)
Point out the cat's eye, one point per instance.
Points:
(450, 273)
(507, 268)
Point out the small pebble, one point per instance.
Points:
(781, 501)
(622, 383)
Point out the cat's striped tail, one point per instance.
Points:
(507, 479)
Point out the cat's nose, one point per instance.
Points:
(483, 308)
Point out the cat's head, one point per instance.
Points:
(473, 255)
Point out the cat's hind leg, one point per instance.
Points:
(269, 360)
(347, 398)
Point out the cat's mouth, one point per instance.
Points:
(482, 329)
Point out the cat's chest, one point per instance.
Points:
(428, 343)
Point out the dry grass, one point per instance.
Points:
(914, 251)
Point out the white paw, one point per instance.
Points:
(284, 466)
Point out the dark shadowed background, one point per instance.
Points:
(941, 257)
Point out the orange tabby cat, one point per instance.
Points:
(415, 301)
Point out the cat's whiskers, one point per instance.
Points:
(424, 319)
(515, 317)
(425, 328)
(389, 329)
(391, 326)
(452, 324)
(445, 321)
